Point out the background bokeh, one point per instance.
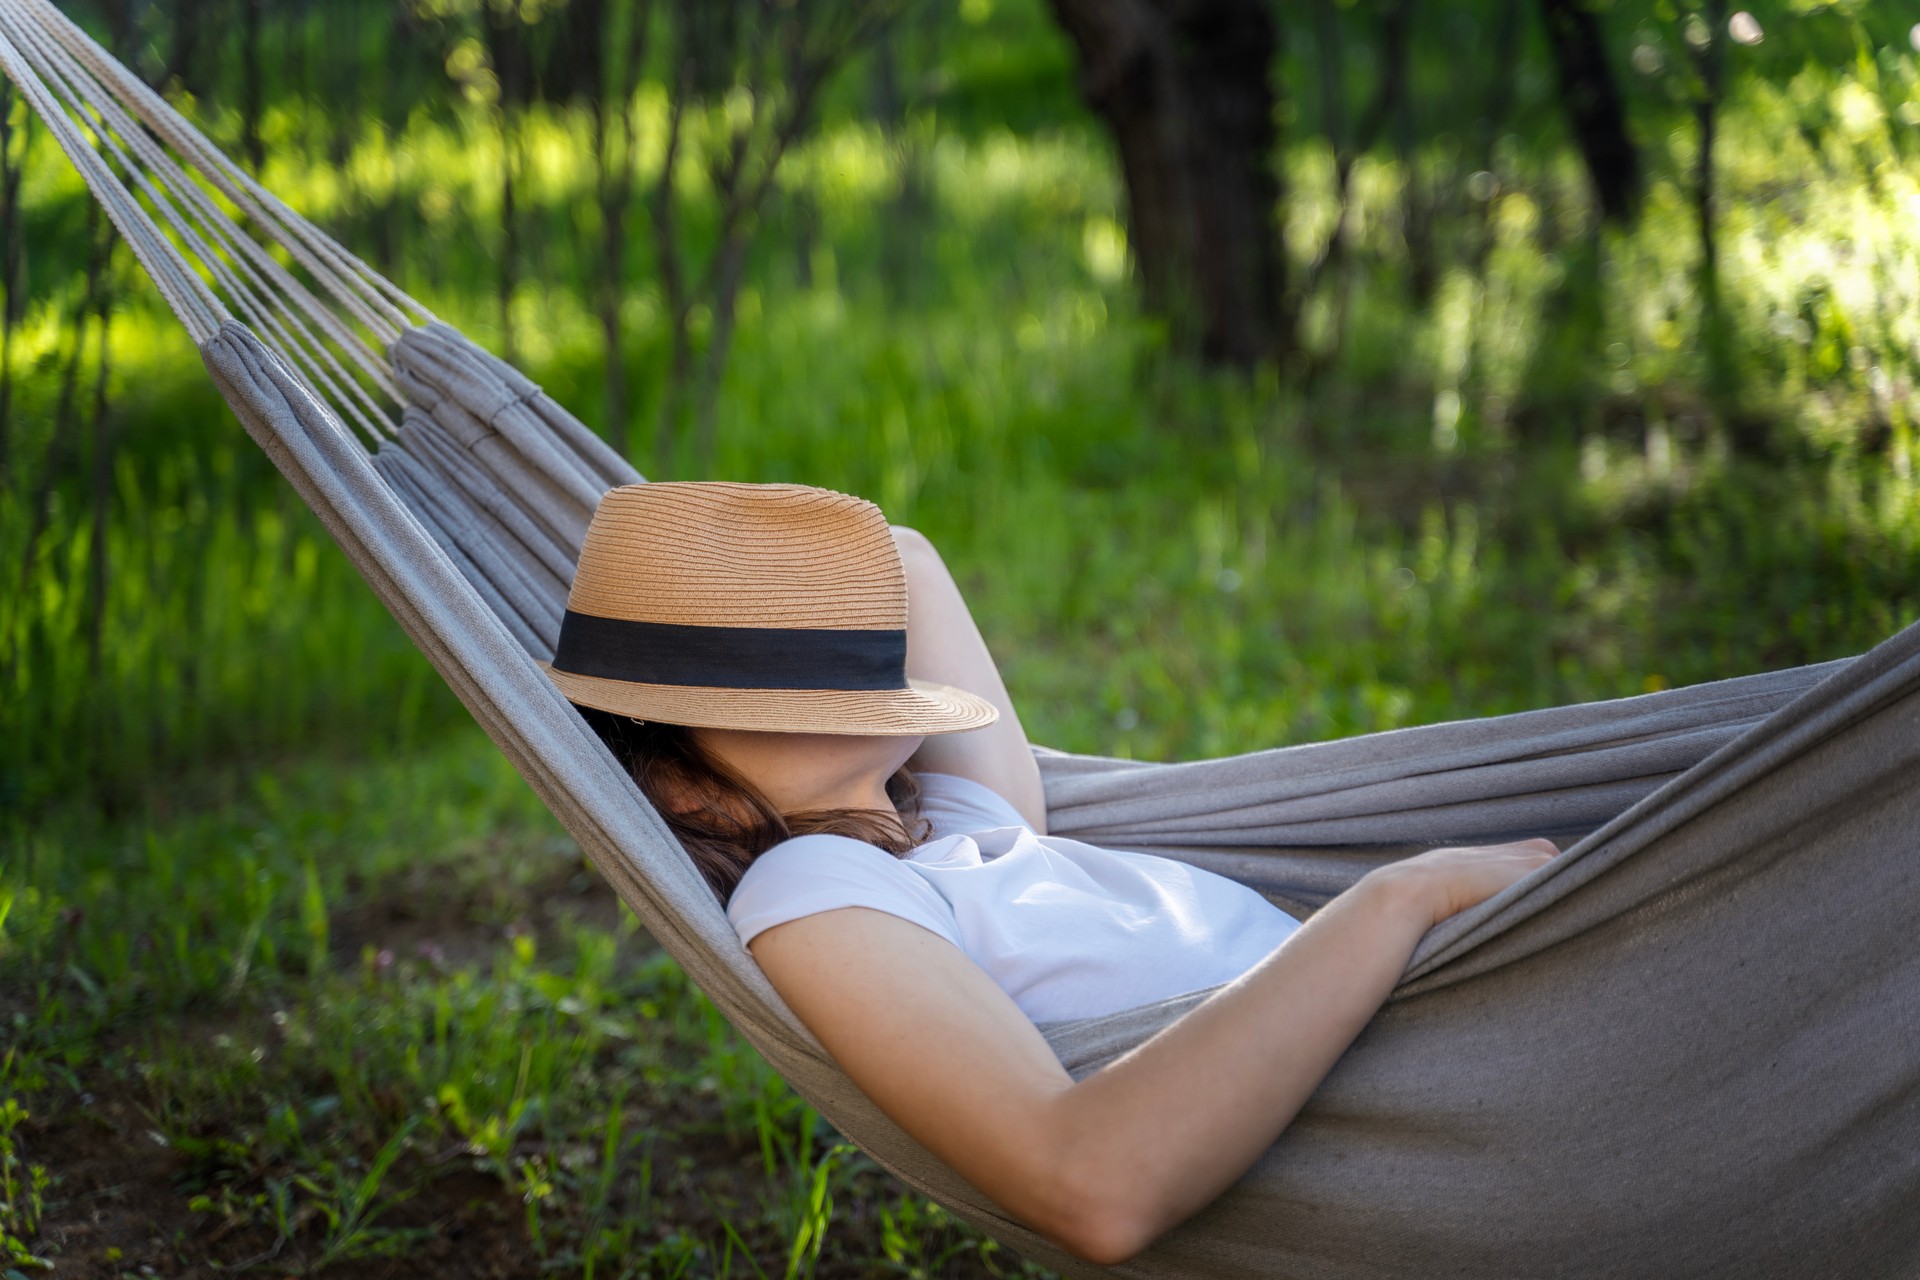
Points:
(292, 959)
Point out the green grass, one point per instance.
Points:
(287, 947)
(333, 1002)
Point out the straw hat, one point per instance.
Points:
(747, 606)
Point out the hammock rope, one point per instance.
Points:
(1686, 1047)
(197, 310)
(72, 69)
(278, 303)
(375, 302)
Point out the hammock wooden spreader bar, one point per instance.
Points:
(1690, 1046)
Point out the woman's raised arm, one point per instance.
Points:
(944, 646)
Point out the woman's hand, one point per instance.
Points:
(1445, 882)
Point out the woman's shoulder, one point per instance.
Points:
(813, 873)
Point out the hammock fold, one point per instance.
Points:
(1690, 1046)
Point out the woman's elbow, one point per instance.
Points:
(1096, 1222)
(1104, 1242)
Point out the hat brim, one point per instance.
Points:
(923, 707)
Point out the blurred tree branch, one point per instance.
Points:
(602, 57)
(749, 74)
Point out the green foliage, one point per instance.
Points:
(22, 1184)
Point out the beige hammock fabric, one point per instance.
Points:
(1690, 1047)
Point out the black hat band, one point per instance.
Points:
(730, 657)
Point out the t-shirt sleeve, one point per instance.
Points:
(959, 806)
(810, 874)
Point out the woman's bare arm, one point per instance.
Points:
(944, 646)
(1106, 1165)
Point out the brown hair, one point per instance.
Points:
(737, 823)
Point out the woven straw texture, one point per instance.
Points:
(739, 555)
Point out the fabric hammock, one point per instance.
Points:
(1691, 1046)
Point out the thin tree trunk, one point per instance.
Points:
(184, 57)
(509, 226)
(1709, 57)
(60, 444)
(674, 282)
(1329, 38)
(1593, 106)
(616, 191)
(914, 206)
(1506, 52)
(886, 111)
(1506, 49)
(806, 218)
(1348, 146)
(300, 77)
(732, 268)
(613, 274)
(103, 447)
(390, 237)
(1186, 90)
(1330, 43)
(252, 85)
(615, 111)
(118, 15)
(342, 111)
(10, 262)
(507, 54)
(1416, 194)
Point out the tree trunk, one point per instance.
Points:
(732, 265)
(9, 267)
(102, 495)
(609, 83)
(673, 283)
(1707, 58)
(1593, 105)
(183, 59)
(506, 51)
(61, 442)
(509, 228)
(252, 85)
(1716, 341)
(900, 227)
(397, 96)
(1186, 88)
(613, 274)
(300, 36)
(1417, 195)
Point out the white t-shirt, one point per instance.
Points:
(1067, 929)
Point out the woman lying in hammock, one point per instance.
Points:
(740, 648)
